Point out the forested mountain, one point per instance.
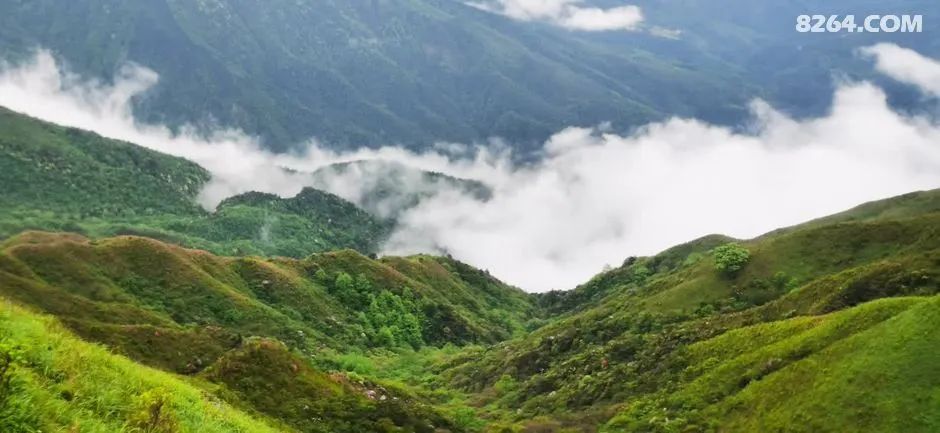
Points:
(715, 334)
(355, 73)
(414, 72)
(68, 179)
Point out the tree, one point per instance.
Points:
(353, 293)
(730, 258)
(392, 321)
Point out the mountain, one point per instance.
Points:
(386, 189)
(790, 342)
(53, 381)
(225, 321)
(57, 178)
(784, 332)
(796, 72)
(417, 72)
(116, 288)
(413, 72)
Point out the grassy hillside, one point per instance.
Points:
(52, 381)
(118, 290)
(263, 375)
(670, 343)
(57, 178)
(869, 368)
(269, 336)
(82, 175)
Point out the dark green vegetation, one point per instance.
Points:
(66, 179)
(420, 71)
(366, 72)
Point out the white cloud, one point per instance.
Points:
(665, 33)
(42, 89)
(566, 13)
(597, 197)
(906, 65)
(593, 199)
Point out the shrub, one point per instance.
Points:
(730, 258)
(153, 414)
(9, 356)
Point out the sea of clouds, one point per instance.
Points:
(592, 199)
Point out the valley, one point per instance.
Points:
(192, 319)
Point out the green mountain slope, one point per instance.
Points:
(869, 368)
(669, 343)
(223, 320)
(57, 178)
(52, 381)
(118, 290)
(793, 340)
(50, 168)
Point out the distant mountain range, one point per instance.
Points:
(413, 72)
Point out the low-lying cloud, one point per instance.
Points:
(569, 14)
(594, 197)
(906, 65)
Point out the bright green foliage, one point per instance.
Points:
(58, 383)
(392, 320)
(754, 378)
(631, 345)
(730, 258)
(352, 293)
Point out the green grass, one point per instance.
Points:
(59, 383)
(263, 375)
(868, 368)
(117, 289)
(669, 342)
